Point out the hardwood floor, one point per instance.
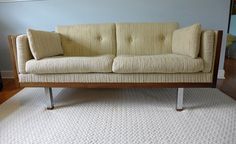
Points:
(228, 85)
(9, 90)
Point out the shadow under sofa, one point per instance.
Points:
(125, 55)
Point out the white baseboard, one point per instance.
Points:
(221, 74)
(7, 74)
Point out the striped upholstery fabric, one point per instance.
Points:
(44, 44)
(144, 39)
(119, 78)
(207, 49)
(61, 65)
(186, 41)
(88, 39)
(23, 52)
(167, 63)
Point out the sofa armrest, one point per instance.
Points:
(23, 52)
(207, 49)
(211, 42)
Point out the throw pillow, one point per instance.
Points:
(44, 44)
(186, 41)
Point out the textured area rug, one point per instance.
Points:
(121, 116)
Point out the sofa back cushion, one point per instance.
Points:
(144, 38)
(88, 39)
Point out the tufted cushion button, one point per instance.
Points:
(130, 39)
(161, 37)
(68, 39)
(99, 38)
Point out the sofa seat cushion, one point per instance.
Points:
(167, 63)
(60, 65)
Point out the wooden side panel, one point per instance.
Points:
(13, 52)
(217, 58)
(118, 85)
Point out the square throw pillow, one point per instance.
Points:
(44, 44)
(186, 41)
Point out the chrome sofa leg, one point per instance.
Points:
(48, 93)
(179, 101)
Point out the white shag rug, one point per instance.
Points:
(118, 116)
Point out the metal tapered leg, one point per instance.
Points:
(180, 97)
(48, 92)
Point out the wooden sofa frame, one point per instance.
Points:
(179, 102)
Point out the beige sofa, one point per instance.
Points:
(119, 56)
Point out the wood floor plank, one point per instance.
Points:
(228, 85)
(9, 90)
